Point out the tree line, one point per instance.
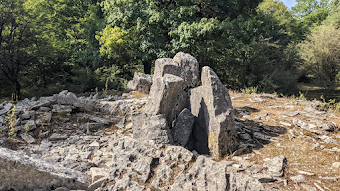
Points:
(81, 45)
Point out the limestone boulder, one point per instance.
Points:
(153, 130)
(212, 106)
(205, 174)
(189, 68)
(183, 127)
(65, 98)
(166, 66)
(164, 97)
(141, 82)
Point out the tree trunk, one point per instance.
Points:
(147, 67)
(17, 90)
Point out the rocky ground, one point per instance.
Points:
(171, 134)
(286, 144)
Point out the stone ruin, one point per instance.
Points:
(123, 142)
(182, 113)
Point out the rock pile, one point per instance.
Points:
(200, 118)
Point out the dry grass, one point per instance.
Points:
(297, 150)
(138, 94)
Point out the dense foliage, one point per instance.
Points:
(82, 45)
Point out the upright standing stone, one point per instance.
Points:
(164, 92)
(215, 113)
(183, 127)
(189, 68)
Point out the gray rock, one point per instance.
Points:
(174, 162)
(84, 105)
(308, 188)
(2, 120)
(101, 120)
(298, 179)
(28, 138)
(30, 125)
(27, 173)
(291, 113)
(151, 130)
(141, 82)
(183, 127)
(243, 182)
(328, 127)
(189, 68)
(219, 117)
(65, 98)
(205, 174)
(56, 137)
(336, 164)
(62, 109)
(199, 139)
(276, 166)
(166, 66)
(27, 114)
(264, 178)
(43, 103)
(164, 95)
(244, 149)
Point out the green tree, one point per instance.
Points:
(321, 55)
(17, 41)
(311, 13)
(334, 14)
(150, 23)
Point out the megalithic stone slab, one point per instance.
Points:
(153, 130)
(219, 117)
(199, 139)
(164, 96)
(166, 66)
(189, 68)
(183, 127)
(23, 173)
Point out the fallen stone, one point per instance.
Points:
(306, 173)
(276, 166)
(84, 105)
(28, 138)
(336, 164)
(328, 127)
(98, 173)
(290, 113)
(57, 137)
(101, 120)
(65, 98)
(22, 172)
(308, 188)
(243, 182)
(62, 109)
(244, 149)
(298, 179)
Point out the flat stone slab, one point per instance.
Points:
(23, 173)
